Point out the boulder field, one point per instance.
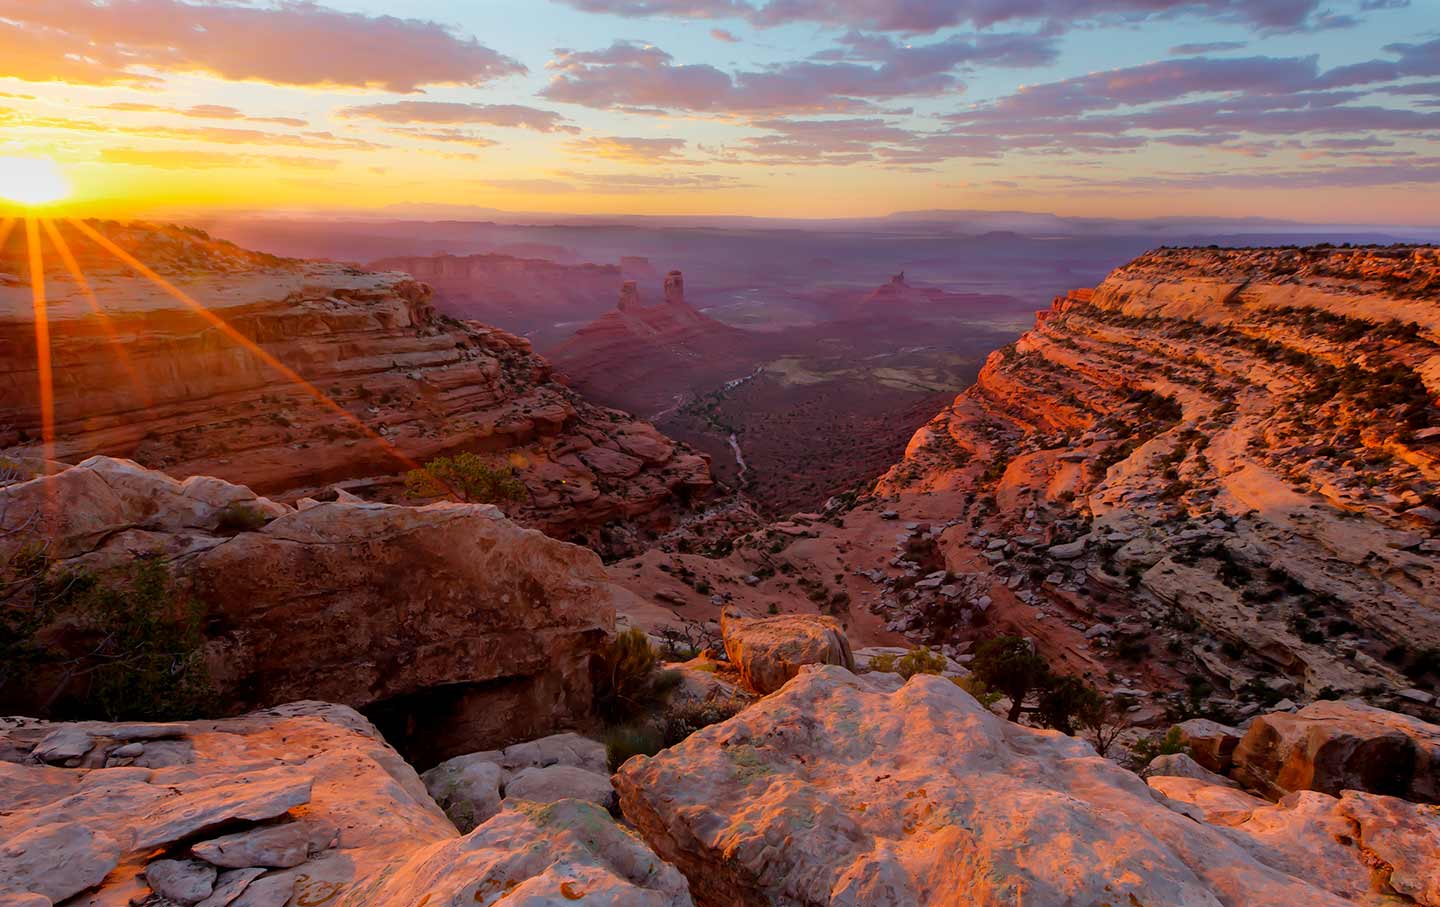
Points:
(304, 804)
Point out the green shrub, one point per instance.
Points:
(467, 477)
(239, 516)
(627, 680)
(680, 721)
(917, 661)
(1147, 748)
(134, 649)
(1010, 665)
(625, 741)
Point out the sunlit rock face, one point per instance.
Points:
(302, 804)
(453, 628)
(1217, 463)
(332, 374)
(845, 790)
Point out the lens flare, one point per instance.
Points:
(32, 181)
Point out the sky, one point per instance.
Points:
(1318, 110)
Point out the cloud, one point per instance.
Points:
(720, 34)
(571, 181)
(929, 16)
(209, 160)
(1411, 60)
(1214, 47)
(287, 42)
(450, 113)
(204, 112)
(636, 77)
(631, 150)
(222, 135)
(457, 136)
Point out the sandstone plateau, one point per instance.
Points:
(146, 377)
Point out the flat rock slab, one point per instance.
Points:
(839, 791)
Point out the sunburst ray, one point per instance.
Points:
(231, 332)
(67, 257)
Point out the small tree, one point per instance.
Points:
(1008, 664)
(466, 477)
(1066, 700)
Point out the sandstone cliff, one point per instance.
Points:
(1225, 458)
(149, 378)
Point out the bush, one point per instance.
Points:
(467, 477)
(238, 516)
(1066, 700)
(674, 725)
(135, 650)
(626, 678)
(625, 741)
(1147, 748)
(916, 661)
(152, 661)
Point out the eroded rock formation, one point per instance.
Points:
(1236, 446)
(451, 626)
(391, 384)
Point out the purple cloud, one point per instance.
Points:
(929, 16)
(850, 78)
(298, 42)
(451, 113)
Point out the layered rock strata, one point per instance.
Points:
(1229, 455)
(325, 374)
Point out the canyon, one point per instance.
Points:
(1203, 487)
(1207, 482)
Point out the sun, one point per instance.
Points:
(32, 181)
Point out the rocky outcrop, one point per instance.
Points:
(1366, 848)
(1229, 454)
(452, 627)
(302, 804)
(769, 651)
(1337, 746)
(844, 790)
(320, 374)
(640, 357)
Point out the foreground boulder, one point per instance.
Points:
(1369, 848)
(1331, 746)
(851, 790)
(472, 787)
(449, 625)
(771, 650)
(204, 798)
(303, 804)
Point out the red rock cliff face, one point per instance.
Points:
(154, 381)
(1221, 461)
